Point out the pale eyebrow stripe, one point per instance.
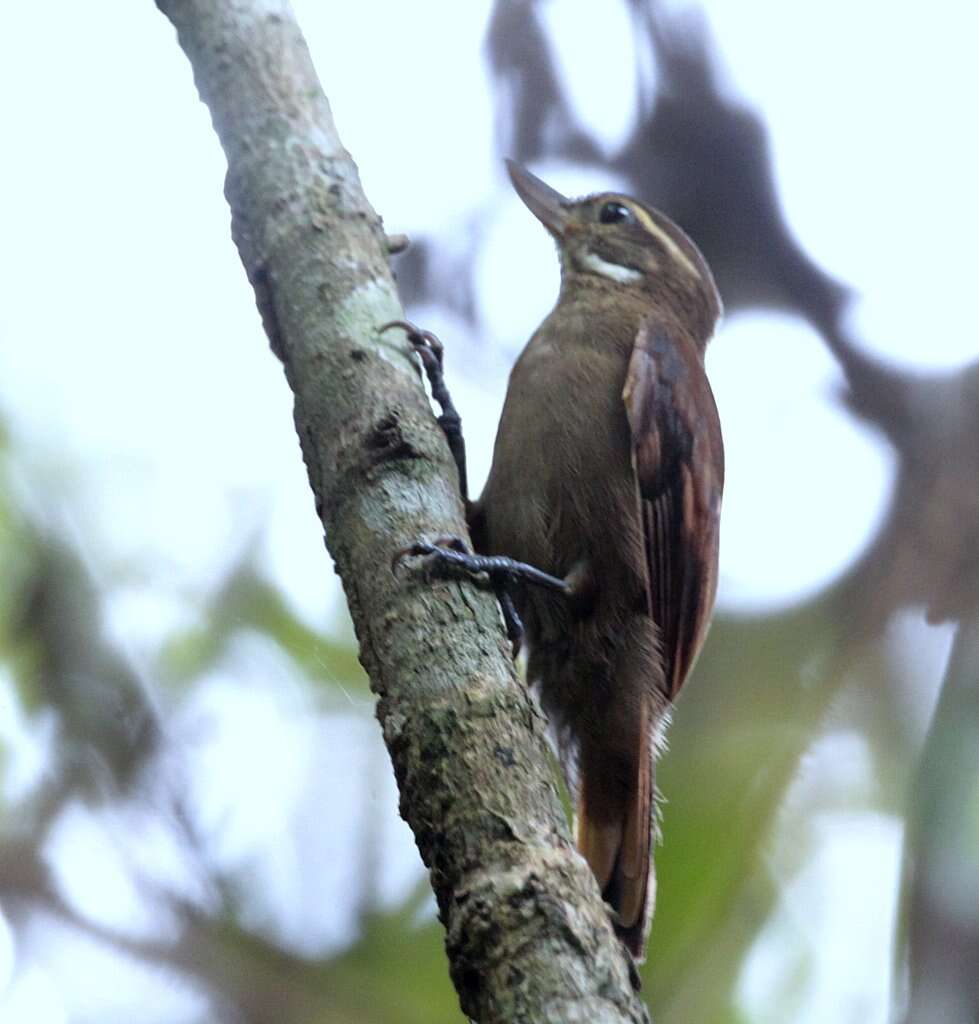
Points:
(674, 250)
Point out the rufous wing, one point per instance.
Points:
(678, 458)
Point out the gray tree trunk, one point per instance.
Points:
(528, 937)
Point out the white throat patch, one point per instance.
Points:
(613, 271)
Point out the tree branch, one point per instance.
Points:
(528, 936)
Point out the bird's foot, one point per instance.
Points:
(449, 556)
(431, 352)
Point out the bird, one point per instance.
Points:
(599, 521)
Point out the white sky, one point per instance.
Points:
(156, 426)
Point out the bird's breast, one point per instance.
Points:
(561, 487)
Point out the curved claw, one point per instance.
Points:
(423, 342)
(511, 619)
(456, 543)
(421, 548)
(406, 325)
(410, 551)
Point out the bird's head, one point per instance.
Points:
(616, 242)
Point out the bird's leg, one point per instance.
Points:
(449, 556)
(430, 351)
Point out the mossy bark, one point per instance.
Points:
(528, 937)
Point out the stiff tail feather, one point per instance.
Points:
(615, 826)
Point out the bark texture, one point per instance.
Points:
(528, 937)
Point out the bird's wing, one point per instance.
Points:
(678, 458)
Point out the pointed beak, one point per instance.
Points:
(544, 202)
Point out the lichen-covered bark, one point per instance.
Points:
(527, 934)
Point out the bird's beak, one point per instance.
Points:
(544, 202)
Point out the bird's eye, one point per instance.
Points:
(614, 213)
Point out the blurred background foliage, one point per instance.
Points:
(198, 820)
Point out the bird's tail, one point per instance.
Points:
(615, 829)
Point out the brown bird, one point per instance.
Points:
(599, 521)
